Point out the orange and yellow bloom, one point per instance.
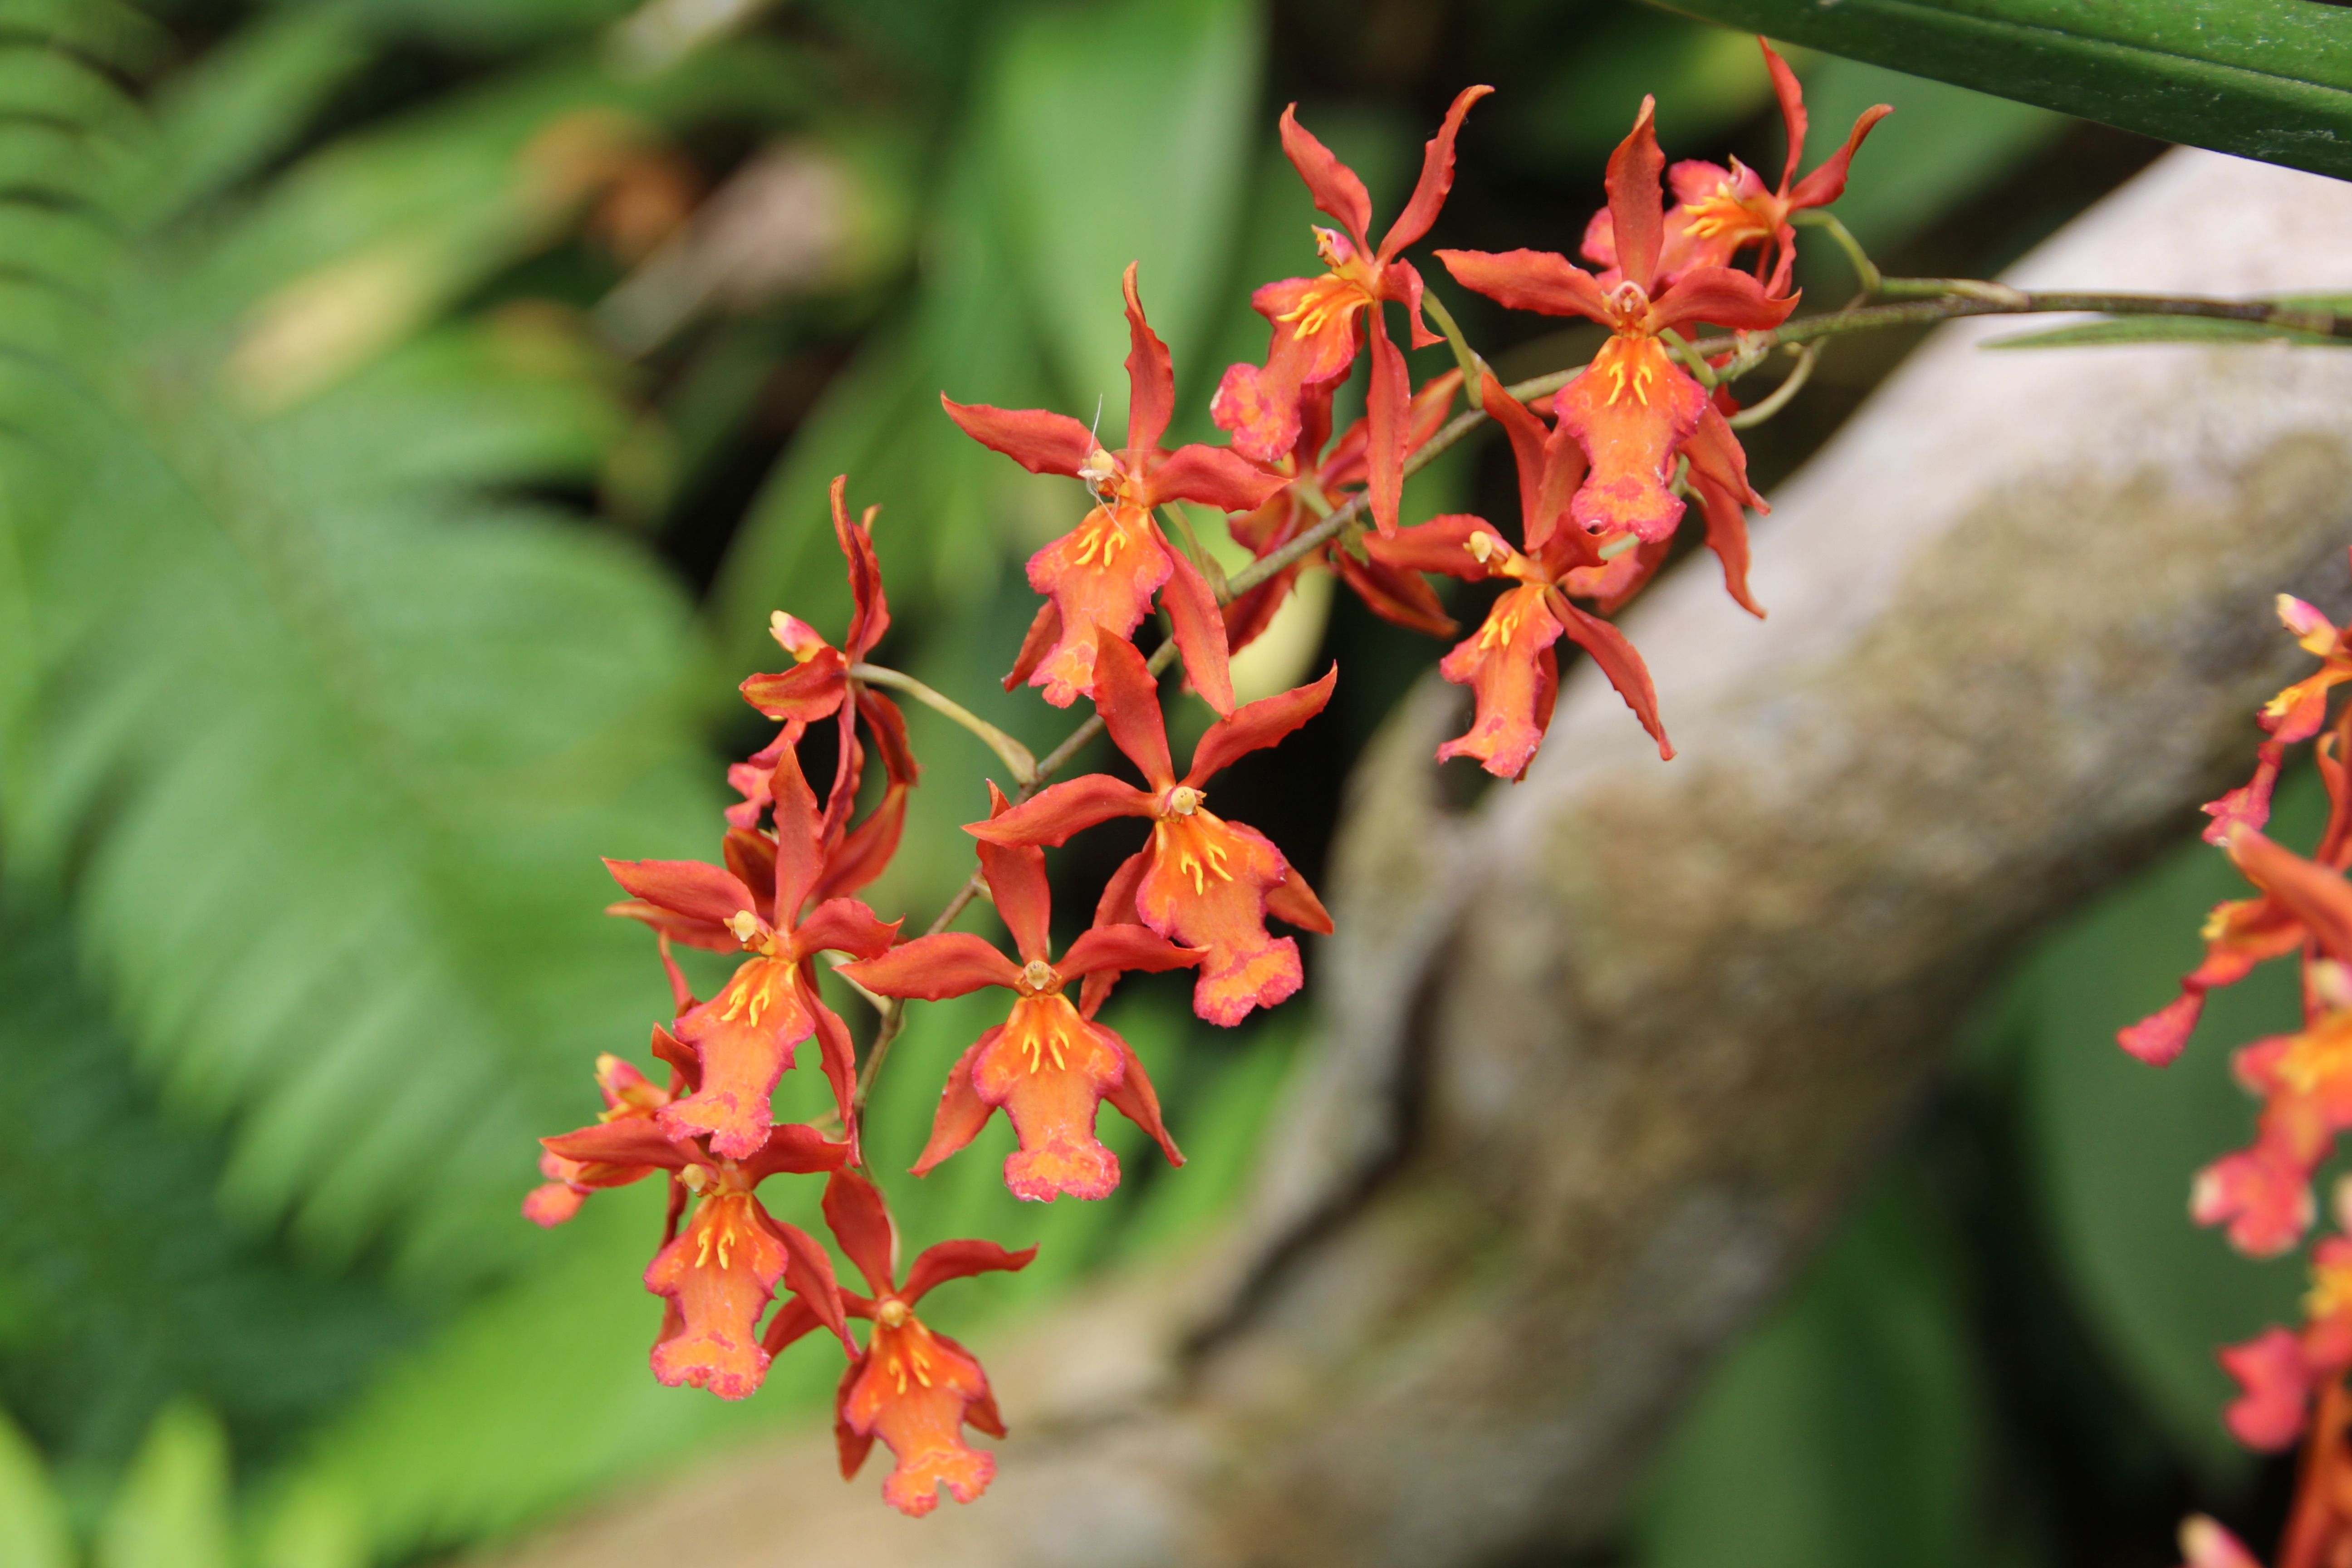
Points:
(1316, 320)
(1099, 578)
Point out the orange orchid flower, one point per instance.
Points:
(1402, 598)
(1509, 662)
(912, 1386)
(744, 1038)
(1634, 410)
(1200, 880)
(1315, 319)
(718, 1276)
(629, 1095)
(1719, 212)
(818, 687)
(1049, 1066)
(1099, 577)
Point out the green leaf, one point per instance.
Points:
(1117, 134)
(1847, 1428)
(2263, 78)
(174, 1507)
(1942, 146)
(2164, 330)
(33, 1532)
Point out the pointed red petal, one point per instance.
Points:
(934, 968)
(805, 693)
(870, 615)
(1529, 455)
(1387, 414)
(1045, 633)
(1636, 198)
(861, 1223)
(1436, 177)
(1792, 107)
(1540, 280)
(1401, 598)
(1212, 476)
(1127, 697)
(1719, 472)
(1261, 724)
(1441, 544)
(1017, 886)
(1334, 185)
(1116, 907)
(1120, 948)
(800, 837)
(1620, 664)
(688, 888)
(1827, 184)
(960, 1260)
(1720, 297)
(1150, 380)
(1040, 441)
(1135, 1098)
(844, 925)
(1295, 904)
(1198, 625)
(795, 1150)
(631, 1141)
(865, 853)
(1052, 815)
(808, 1275)
(961, 1113)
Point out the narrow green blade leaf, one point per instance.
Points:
(33, 1532)
(173, 1509)
(2164, 330)
(2263, 78)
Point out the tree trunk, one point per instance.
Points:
(1601, 1056)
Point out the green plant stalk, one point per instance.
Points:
(1015, 755)
(1778, 398)
(1865, 270)
(1942, 299)
(1472, 367)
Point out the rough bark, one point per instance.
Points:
(1601, 1055)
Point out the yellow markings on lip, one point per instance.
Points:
(1041, 1042)
(1107, 537)
(723, 1231)
(914, 1360)
(1644, 369)
(1329, 297)
(753, 996)
(1189, 862)
(1498, 630)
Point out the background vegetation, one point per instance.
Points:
(410, 411)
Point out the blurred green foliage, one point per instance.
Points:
(398, 461)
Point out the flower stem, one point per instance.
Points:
(1015, 755)
(1914, 303)
(1778, 398)
(1865, 270)
(1472, 367)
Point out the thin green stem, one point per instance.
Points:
(1015, 755)
(1693, 360)
(1917, 302)
(1865, 270)
(1778, 398)
(1211, 567)
(1472, 367)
